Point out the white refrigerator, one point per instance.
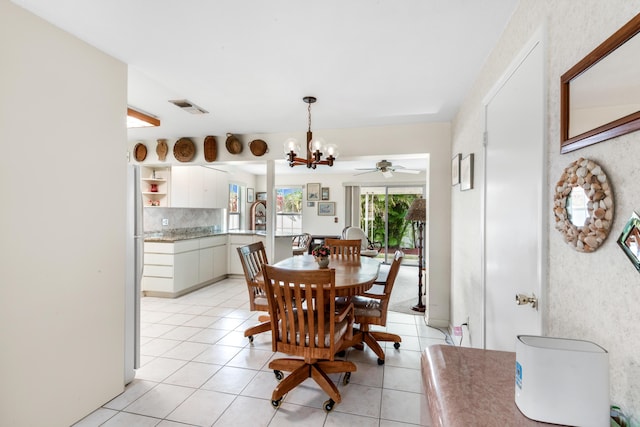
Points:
(134, 266)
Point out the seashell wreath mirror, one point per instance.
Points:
(583, 205)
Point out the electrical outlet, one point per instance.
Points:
(457, 331)
(165, 221)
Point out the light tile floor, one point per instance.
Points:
(198, 369)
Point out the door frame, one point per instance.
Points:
(539, 38)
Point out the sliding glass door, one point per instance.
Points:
(382, 217)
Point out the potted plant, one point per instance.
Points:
(321, 253)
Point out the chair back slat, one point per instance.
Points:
(344, 247)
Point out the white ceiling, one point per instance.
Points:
(249, 63)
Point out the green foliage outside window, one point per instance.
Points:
(289, 200)
(401, 234)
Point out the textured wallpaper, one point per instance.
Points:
(590, 296)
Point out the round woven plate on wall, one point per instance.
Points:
(210, 148)
(233, 144)
(258, 147)
(184, 150)
(140, 151)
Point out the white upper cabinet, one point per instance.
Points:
(198, 187)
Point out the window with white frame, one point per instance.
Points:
(234, 206)
(289, 209)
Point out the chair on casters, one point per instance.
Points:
(252, 257)
(343, 247)
(304, 323)
(368, 248)
(371, 309)
(301, 244)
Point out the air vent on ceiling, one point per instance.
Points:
(188, 106)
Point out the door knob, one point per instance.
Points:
(522, 299)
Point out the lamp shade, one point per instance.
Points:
(417, 210)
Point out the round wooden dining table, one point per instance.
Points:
(354, 276)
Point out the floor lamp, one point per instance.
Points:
(418, 214)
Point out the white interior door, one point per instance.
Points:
(514, 212)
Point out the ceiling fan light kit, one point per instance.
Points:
(316, 148)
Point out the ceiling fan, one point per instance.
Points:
(386, 168)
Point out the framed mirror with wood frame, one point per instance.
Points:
(600, 95)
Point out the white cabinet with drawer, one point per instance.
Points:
(174, 269)
(213, 258)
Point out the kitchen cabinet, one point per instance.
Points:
(172, 269)
(154, 185)
(198, 187)
(213, 258)
(236, 241)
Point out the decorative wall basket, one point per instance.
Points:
(210, 148)
(233, 144)
(258, 147)
(140, 151)
(583, 205)
(184, 150)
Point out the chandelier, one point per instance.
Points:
(316, 148)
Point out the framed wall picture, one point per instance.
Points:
(466, 173)
(311, 204)
(261, 195)
(455, 170)
(325, 193)
(326, 208)
(250, 196)
(313, 191)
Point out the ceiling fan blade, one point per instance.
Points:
(367, 171)
(413, 171)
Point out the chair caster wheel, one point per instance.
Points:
(328, 405)
(396, 345)
(347, 378)
(279, 375)
(276, 403)
(250, 338)
(380, 361)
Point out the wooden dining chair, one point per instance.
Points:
(344, 247)
(371, 309)
(304, 323)
(252, 257)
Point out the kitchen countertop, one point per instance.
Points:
(177, 234)
(470, 386)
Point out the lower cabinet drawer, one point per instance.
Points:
(158, 259)
(158, 271)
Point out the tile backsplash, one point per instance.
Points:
(183, 218)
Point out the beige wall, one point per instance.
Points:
(62, 223)
(590, 296)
